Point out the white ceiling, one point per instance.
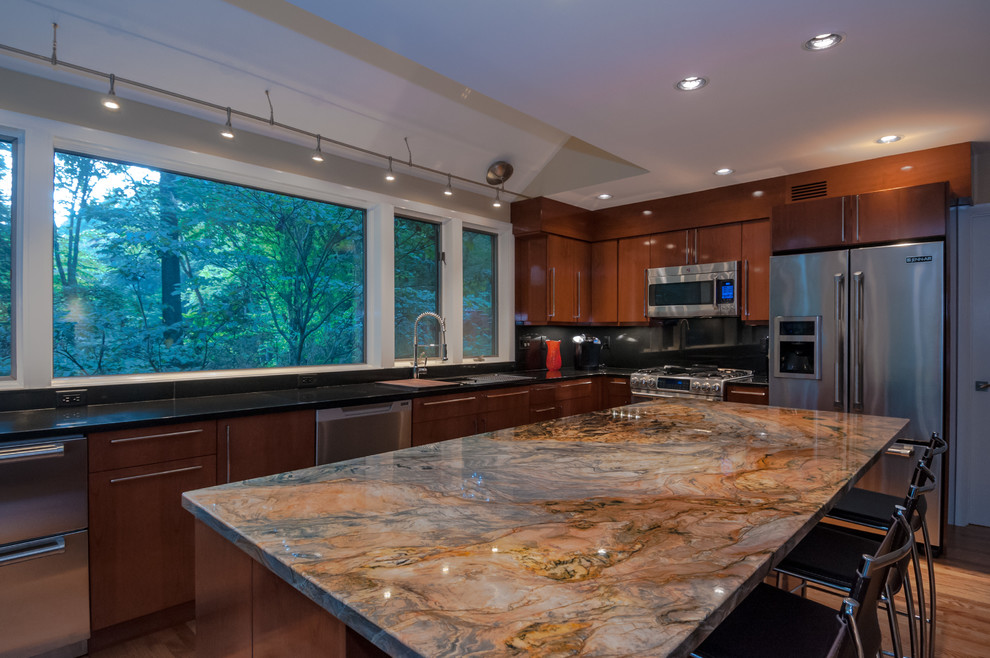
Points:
(577, 94)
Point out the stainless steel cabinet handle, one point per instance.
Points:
(507, 395)
(840, 344)
(540, 411)
(842, 223)
(746, 286)
(857, 340)
(646, 291)
(228, 453)
(553, 292)
(575, 384)
(156, 436)
(153, 475)
(901, 451)
(26, 453)
(433, 404)
(33, 549)
(737, 391)
(578, 295)
(695, 245)
(687, 247)
(857, 218)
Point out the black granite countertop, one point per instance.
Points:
(38, 423)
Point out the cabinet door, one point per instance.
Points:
(604, 272)
(756, 271)
(543, 402)
(579, 257)
(577, 397)
(809, 224)
(441, 417)
(902, 214)
(717, 244)
(505, 407)
(669, 249)
(531, 280)
(616, 392)
(255, 446)
(141, 539)
(561, 281)
(148, 445)
(634, 259)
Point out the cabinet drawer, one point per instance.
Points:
(149, 445)
(507, 399)
(617, 392)
(442, 429)
(539, 413)
(748, 393)
(437, 407)
(579, 388)
(542, 395)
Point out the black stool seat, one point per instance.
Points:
(871, 509)
(829, 556)
(772, 623)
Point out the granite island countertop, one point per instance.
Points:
(629, 531)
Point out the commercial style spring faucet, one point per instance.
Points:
(418, 369)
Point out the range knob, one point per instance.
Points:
(716, 387)
(653, 382)
(706, 387)
(695, 386)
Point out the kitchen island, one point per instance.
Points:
(630, 531)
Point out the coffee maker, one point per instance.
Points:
(587, 352)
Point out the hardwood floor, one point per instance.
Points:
(962, 577)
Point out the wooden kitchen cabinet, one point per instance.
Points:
(577, 396)
(707, 244)
(747, 393)
(906, 213)
(505, 407)
(755, 271)
(604, 281)
(553, 280)
(670, 249)
(441, 417)
(543, 402)
(140, 538)
(615, 392)
(633, 261)
(265, 444)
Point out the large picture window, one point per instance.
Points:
(417, 283)
(480, 294)
(6, 214)
(160, 272)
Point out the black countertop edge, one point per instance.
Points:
(40, 423)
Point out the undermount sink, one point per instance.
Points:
(489, 378)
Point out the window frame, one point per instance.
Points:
(16, 140)
(441, 265)
(38, 138)
(495, 285)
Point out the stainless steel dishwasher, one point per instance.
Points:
(367, 429)
(44, 548)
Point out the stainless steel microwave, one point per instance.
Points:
(693, 291)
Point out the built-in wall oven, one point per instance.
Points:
(44, 548)
(693, 291)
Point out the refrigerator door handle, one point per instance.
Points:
(840, 343)
(857, 340)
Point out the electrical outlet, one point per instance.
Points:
(606, 342)
(306, 381)
(75, 397)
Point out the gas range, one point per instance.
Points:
(704, 382)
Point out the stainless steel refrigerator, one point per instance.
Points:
(862, 330)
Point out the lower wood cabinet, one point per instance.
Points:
(140, 538)
(615, 392)
(265, 444)
(441, 417)
(577, 396)
(505, 407)
(543, 402)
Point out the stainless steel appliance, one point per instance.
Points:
(367, 429)
(693, 291)
(705, 382)
(587, 352)
(861, 331)
(44, 548)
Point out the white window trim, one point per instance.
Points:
(37, 138)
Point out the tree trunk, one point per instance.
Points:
(171, 267)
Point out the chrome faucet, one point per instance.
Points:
(418, 369)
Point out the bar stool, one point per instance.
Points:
(872, 509)
(826, 555)
(773, 623)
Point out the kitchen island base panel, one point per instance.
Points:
(243, 610)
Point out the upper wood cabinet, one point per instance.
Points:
(708, 244)
(553, 280)
(903, 213)
(755, 242)
(265, 444)
(630, 292)
(604, 284)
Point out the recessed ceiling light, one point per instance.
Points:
(823, 41)
(647, 212)
(758, 193)
(604, 196)
(889, 139)
(907, 168)
(724, 171)
(691, 83)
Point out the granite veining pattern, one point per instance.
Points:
(629, 531)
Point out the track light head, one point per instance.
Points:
(448, 191)
(497, 203)
(317, 155)
(227, 132)
(389, 175)
(110, 100)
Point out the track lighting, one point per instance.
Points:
(227, 132)
(448, 191)
(318, 153)
(497, 203)
(110, 100)
(389, 175)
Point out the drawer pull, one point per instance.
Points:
(32, 549)
(540, 411)
(431, 404)
(508, 395)
(740, 392)
(152, 475)
(25, 453)
(901, 451)
(619, 382)
(155, 436)
(585, 383)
